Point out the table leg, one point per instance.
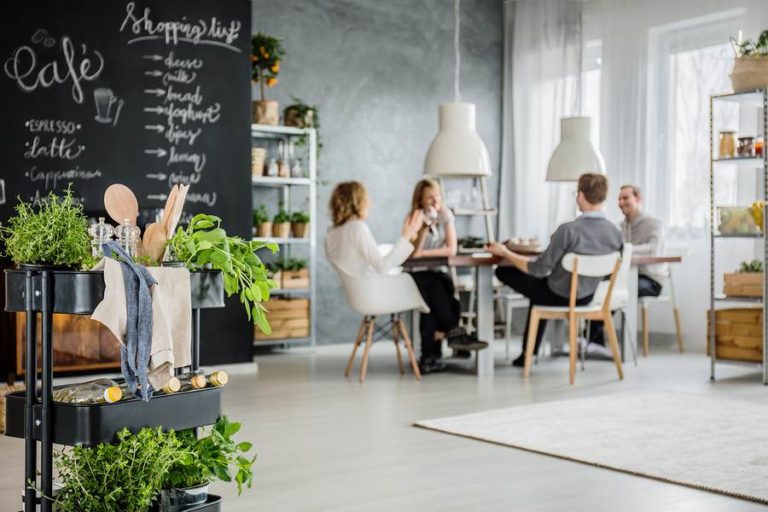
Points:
(484, 319)
(630, 329)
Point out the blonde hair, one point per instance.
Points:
(418, 192)
(347, 201)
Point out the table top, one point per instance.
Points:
(484, 259)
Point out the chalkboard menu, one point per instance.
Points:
(144, 93)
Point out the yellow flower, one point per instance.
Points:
(271, 81)
(275, 67)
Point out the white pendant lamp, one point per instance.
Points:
(575, 155)
(457, 150)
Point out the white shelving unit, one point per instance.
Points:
(755, 100)
(288, 189)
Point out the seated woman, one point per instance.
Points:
(436, 238)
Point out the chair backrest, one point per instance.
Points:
(592, 266)
(620, 295)
(380, 294)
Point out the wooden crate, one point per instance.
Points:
(295, 279)
(743, 284)
(4, 388)
(738, 334)
(289, 318)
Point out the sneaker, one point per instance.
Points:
(431, 366)
(466, 342)
(599, 352)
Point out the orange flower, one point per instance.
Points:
(271, 81)
(254, 58)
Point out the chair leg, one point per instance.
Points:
(360, 331)
(396, 339)
(508, 327)
(678, 330)
(573, 328)
(409, 348)
(646, 348)
(584, 351)
(366, 350)
(610, 328)
(533, 329)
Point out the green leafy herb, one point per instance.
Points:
(300, 217)
(215, 456)
(54, 232)
(282, 216)
(749, 48)
(291, 264)
(751, 266)
(260, 215)
(124, 476)
(205, 243)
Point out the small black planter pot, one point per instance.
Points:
(175, 500)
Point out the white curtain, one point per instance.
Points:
(542, 70)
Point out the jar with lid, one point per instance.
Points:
(128, 237)
(745, 147)
(101, 233)
(727, 146)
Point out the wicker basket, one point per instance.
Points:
(4, 388)
(749, 74)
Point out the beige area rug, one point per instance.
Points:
(715, 444)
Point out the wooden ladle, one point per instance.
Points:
(154, 241)
(170, 204)
(121, 204)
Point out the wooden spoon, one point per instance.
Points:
(121, 204)
(154, 241)
(168, 211)
(178, 207)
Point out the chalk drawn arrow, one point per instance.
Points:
(159, 176)
(156, 92)
(159, 197)
(154, 57)
(156, 110)
(154, 73)
(159, 152)
(156, 127)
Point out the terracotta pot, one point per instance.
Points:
(281, 229)
(266, 112)
(749, 74)
(299, 229)
(264, 230)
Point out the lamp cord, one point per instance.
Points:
(456, 51)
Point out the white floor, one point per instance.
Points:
(330, 444)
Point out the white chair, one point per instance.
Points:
(378, 295)
(600, 309)
(667, 297)
(511, 300)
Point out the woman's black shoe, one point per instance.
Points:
(431, 366)
(519, 362)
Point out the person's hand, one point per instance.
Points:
(412, 225)
(497, 249)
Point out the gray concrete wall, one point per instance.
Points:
(378, 70)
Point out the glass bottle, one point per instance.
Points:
(128, 237)
(296, 169)
(97, 391)
(101, 233)
(192, 380)
(272, 168)
(218, 379)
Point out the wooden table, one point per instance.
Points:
(484, 264)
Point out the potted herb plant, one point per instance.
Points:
(299, 224)
(275, 273)
(261, 222)
(205, 244)
(207, 458)
(302, 115)
(750, 68)
(266, 57)
(281, 224)
(746, 282)
(295, 274)
(52, 233)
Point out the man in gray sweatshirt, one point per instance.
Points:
(543, 279)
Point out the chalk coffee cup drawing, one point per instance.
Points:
(105, 99)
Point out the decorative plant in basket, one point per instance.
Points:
(750, 68)
(299, 223)
(53, 232)
(294, 273)
(266, 57)
(261, 222)
(204, 243)
(302, 115)
(281, 224)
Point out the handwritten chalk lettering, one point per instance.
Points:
(174, 135)
(67, 149)
(180, 76)
(208, 198)
(209, 115)
(171, 62)
(85, 66)
(196, 159)
(51, 178)
(183, 179)
(58, 126)
(183, 97)
(173, 31)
